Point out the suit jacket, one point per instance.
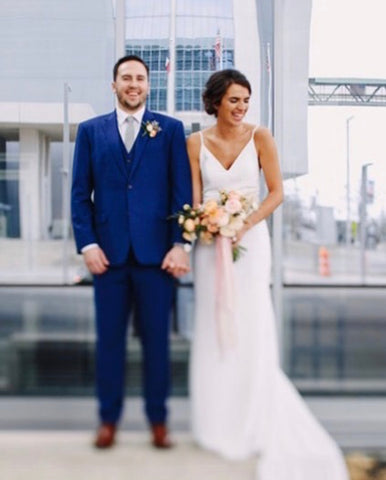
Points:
(121, 205)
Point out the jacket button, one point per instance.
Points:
(130, 186)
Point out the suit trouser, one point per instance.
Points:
(150, 291)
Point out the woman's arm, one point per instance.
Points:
(193, 147)
(269, 162)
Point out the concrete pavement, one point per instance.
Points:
(66, 455)
(51, 439)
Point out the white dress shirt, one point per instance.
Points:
(122, 124)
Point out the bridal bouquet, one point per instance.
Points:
(223, 217)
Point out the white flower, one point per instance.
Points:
(227, 231)
(190, 225)
(236, 223)
(233, 205)
(223, 219)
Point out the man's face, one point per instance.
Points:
(131, 86)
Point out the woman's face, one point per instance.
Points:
(234, 104)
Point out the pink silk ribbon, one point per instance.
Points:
(225, 300)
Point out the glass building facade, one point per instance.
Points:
(203, 41)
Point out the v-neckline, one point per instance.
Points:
(234, 161)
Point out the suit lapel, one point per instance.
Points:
(141, 141)
(110, 129)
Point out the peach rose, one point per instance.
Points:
(223, 218)
(219, 217)
(210, 207)
(212, 228)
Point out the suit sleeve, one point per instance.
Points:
(180, 178)
(82, 207)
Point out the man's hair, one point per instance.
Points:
(129, 58)
(217, 85)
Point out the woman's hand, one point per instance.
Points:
(239, 235)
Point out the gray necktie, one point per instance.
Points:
(129, 133)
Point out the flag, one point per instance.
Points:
(218, 49)
(167, 64)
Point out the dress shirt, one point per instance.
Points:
(122, 124)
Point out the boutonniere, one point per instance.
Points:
(151, 128)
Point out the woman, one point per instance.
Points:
(242, 403)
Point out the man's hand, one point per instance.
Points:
(95, 260)
(176, 262)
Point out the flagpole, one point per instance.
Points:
(269, 72)
(65, 182)
(171, 75)
(221, 52)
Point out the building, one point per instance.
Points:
(57, 60)
(182, 41)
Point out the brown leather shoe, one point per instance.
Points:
(160, 436)
(105, 437)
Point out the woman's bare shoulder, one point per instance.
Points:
(193, 143)
(194, 140)
(262, 133)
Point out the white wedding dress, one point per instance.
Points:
(242, 403)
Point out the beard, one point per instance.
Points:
(129, 105)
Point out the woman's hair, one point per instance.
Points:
(217, 85)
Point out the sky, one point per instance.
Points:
(348, 39)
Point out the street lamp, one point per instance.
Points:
(363, 221)
(348, 223)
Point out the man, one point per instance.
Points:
(131, 171)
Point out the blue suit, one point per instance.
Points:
(121, 201)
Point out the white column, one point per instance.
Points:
(120, 28)
(291, 46)
(30, 184)
(247, 41)
(294, 35)
(278, 131)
